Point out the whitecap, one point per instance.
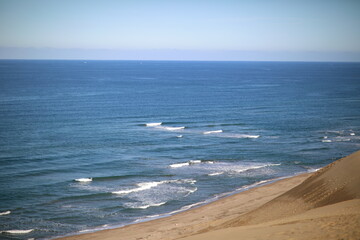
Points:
(83, 179)
(141, 187)
(352, 134)
(173, 128)
(178, 165)
(145, 206)
(191, 181)
(215, 173)
(191, 162)
(153, 124)
(5, 213)
(194, 161)
(241, 136)
(179, 136)
(326, 141)
(256, 167)
(212, 132)
(18, 231)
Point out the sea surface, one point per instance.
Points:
(89, 145)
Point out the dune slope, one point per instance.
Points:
(325, 206)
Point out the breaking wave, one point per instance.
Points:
(83, 180)
(212, 132)
(153, 124)
(191, 162)
(17, 231)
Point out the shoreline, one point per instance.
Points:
(297, 178)
(185, 208)
(305, 206)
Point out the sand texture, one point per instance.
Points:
(321, 205)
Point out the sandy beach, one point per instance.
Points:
(320, 205)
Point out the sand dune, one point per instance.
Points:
(322, 205)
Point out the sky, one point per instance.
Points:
(246, 30)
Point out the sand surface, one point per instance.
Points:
(321, 205)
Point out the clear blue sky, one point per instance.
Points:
(181, 29)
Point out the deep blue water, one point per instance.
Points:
(65, 120)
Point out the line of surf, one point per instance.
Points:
(148, 185)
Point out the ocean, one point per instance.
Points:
(89, 145)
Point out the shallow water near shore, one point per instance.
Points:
(90, 145)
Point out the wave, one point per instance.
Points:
(153, 124)
(17, 231)
(5, 213)
(148, 185)
(257, 167)
(83, 180)
(134, 206)
(173, 128)
(179, 136)
(216, 173)
(191, 162)
(211, 132)
(111, 178)
(158, 125)
(141, 187)
(225, 124)
(240, 136)
(231, 169)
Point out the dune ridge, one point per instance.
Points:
(321, 205)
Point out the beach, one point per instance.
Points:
(320, 205)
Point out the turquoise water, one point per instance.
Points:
(224, 125)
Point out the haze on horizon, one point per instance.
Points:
(258, 30)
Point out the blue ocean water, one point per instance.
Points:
(90, 145)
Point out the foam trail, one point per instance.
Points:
(153, 124)
(257, 167)
(211, 132)
(215, 173)
(17, 231)
(149, 205)
(178, 165)
(83, 179)
(191, 162)
(5, 213)
(242, 136)
(141, 187)
(173, 128)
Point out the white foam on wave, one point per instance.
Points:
(141, 187)
(178, 165)
(17, 231)
(240, 136)
(212, 132)
(179, 136)
(153, 124)
(83, 180)
(5, 213)
(148, 185)
(352, 134)
(326, 141)
(233, 169)
(145, 206)
(191, 162)
(216, 173)
(173, 128)
(256, 167)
